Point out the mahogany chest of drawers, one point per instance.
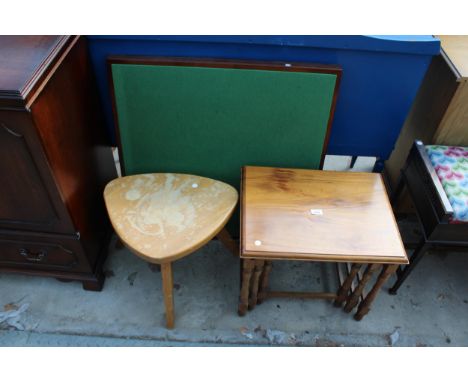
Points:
(54, 161)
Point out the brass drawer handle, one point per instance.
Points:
(35, 257)
(8, 130)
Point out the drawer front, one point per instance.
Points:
(29, 197)
(54, 253)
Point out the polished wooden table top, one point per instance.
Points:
(318, 215)
(163, 217)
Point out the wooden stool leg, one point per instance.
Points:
(264, 281)
(225, 238)
(167, 283)
(344, 289)
(247, 268)
(255, 283)
(365, 305)
(413, 261)
(353, 299)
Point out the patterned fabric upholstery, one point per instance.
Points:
(451, 165)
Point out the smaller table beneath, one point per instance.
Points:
(312, 215)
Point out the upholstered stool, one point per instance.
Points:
(164, 217)
(437, 180)
(451, 166)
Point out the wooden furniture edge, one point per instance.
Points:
(228, 64)
(293, 256)
(418, 146)
(242, 212)
(330, 119)
(111, 89)
(22, 98)
(451, 65)
(47, 68)
(390, 208)
(225, 63)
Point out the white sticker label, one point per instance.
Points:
(258, 242)
(194, 185)
(316, 212)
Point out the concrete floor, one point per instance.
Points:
(430, 309)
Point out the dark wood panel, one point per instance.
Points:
(434, 96)
(431, 102)
(25, 62)
(19, 174)
(29, 199)
(451, 233)
(66, 257)
(54, 161)
(44, 254)
(426, 191)
(20, 58)
(54, 252)
(69, 121)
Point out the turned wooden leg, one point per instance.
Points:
(344, 289)
(258, 269)
(365, 305)
(353, 299)
(264, 281)
(231, 244)
(167, 283)
(415, 258)
(247, 269)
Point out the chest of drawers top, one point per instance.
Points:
(26, 64)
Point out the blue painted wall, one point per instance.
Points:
(381, 75)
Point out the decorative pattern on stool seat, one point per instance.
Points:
(451, 165)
